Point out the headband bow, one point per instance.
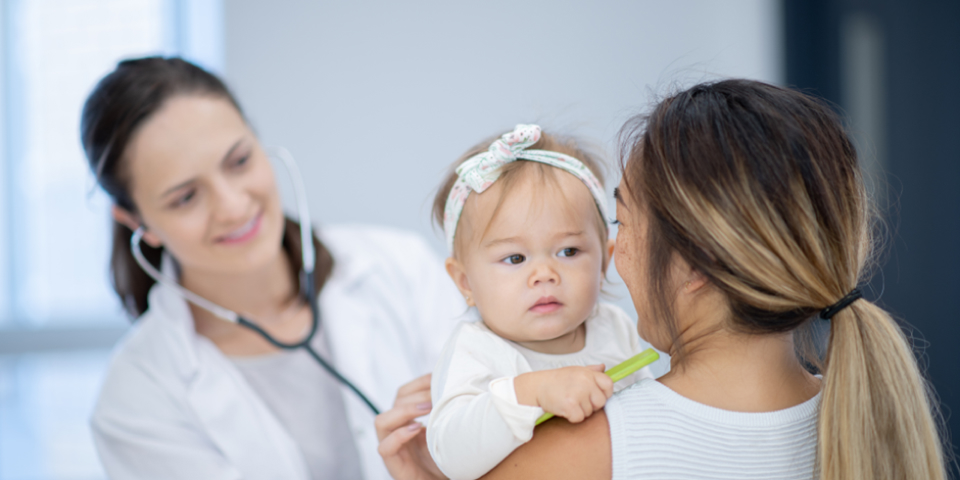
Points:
(480, 171)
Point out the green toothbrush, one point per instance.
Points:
(621, 371)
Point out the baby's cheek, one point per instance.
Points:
(593, 276)
(498, 307)
(583, 290)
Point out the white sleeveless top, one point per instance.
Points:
(656, 433)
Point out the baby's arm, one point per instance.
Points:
(471, 428)
(573, 393)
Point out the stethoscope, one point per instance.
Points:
(307, 285)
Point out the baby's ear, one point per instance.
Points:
(459, 276)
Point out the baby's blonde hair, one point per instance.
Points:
(513, 172)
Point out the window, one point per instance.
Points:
(58, 226)
(58, 315)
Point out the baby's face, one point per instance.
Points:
(535, 275)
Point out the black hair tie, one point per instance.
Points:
(844, 302)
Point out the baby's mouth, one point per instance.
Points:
(546, 305)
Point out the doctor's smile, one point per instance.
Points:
(246, 232)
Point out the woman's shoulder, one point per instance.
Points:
(147, 367)
(650, 399)
(150, 348)
(656, 432)
(643, 395)
(561, 449)
(160, 348)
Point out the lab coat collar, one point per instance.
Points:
(350, 265)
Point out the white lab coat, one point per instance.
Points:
(173, 406)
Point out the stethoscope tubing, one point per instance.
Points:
(307, 284)
(305, 344)
(309, 290)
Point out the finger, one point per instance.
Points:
(606, 384)
(391, 444)
(415, 385)
(587, 407)
(567, 408)
(597, 368)
(597, 399)
(397, 417)
(414, 398)
(573, 415)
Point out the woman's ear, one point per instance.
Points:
(131, 221)
(692, 280)
(687, 278)
(459, 275)
(695, 282)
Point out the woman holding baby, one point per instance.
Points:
(744, 229)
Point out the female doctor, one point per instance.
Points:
(190, 395)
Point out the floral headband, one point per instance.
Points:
(480, 171)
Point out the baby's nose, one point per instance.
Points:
(544, 274)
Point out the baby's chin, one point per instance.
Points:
(540, 328)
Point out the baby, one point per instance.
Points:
(529, 250)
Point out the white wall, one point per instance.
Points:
(376, 99)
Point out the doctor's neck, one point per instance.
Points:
(263, 294)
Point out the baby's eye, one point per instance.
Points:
(515, 259)
(569, 252)
(614, 222)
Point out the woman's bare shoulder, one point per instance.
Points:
(559, 450)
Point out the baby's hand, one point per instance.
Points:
(573, 393)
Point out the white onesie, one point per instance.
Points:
(476, 420)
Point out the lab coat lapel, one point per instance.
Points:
(237, 420)
(233, 416)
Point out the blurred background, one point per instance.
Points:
(376, 99)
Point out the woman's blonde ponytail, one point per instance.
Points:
(876, 417)
(759, 189)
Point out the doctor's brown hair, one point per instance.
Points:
(118, 105)
(758, 188)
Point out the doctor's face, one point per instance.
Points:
(203, 186)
